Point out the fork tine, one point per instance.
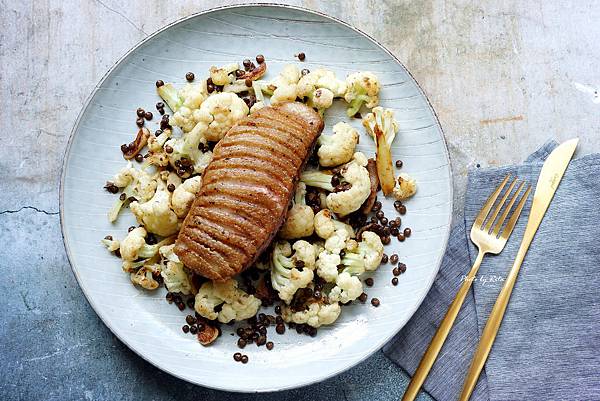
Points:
(513, 219)
(500, 222)
(489, 203)
(488, 225)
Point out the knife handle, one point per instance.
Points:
(494, 320)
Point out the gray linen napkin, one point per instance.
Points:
(549, 344)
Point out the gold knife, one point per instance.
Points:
(550, 176)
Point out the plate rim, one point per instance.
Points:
(353, 362)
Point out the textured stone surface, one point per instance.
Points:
(502, 76)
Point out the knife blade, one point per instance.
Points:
(552, 172)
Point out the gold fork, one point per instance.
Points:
(488, 239)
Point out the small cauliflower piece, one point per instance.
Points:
(315, 315)
(306, 253)
(184, 195)
(135, 183)
(366, 257)
(336, 235)
(133, 244)
(363, 88)
(350, 200)
(406, 187)
(144, 276)
(321, 78)
(321, 99)
(286, 279)
(188, 147)
(111, 244)
(156, 214)
(175, 276)
(236, 304)
(156, 153)
(338, 148)
(326, 226)
(220, 112)
(382, 127)
(169, 94)
(289, 75)
(284, 94)
(299, 220)
(347, 288)
(327, 266)
(206, 301)
(317, 179)
(223, 75)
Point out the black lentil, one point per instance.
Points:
(194, 329)
(401, 237)
(384, 221)
(395, 281)
(386, 240)
(171, 187)
(148, 115)
(189, 319)
(402, 210)
(402, 267)
(301, 56)
(375, 302)
(244, 359)
(139, 122)
(139, 158)
(280, 328)
(247, 63)
(168, 149)
(270, 345)
(185, 328)
(260, 59)
(241, 343)
(380, 215)
(394, 259)
(394, 231)
(384, 258)
(159, 83)
(369, 282)
(140, 112)
(399, 163)
(396, 271)
(363, 297)
(190, 76)
(407, 232)
(305, 71)
(237, 357)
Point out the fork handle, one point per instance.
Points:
(441, 334)
(493, 324)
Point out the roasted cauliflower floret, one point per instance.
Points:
(184, 195)
(111, 244)
(327, 266)
(299, 220)
(350, 200)
(189, 96)
(145, 276)
(316, 314)
(363, 88)
(321, 78)
(405, 187)
(235, 303)
(284, 94)
(317, 179)
(380, 125)
(135, 183)
(156, 214)
(156, 153)
(347, 288)
(175, 276)
(367, 255)
(220, 112)
(286, 279)
(338, 148)
(223, 75)
(188, 148)
(336, 235)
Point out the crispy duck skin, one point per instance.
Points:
(246, 190)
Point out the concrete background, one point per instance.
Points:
(503, 76)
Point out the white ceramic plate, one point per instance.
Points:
(144, 321)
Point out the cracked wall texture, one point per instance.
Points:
(502, 76)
